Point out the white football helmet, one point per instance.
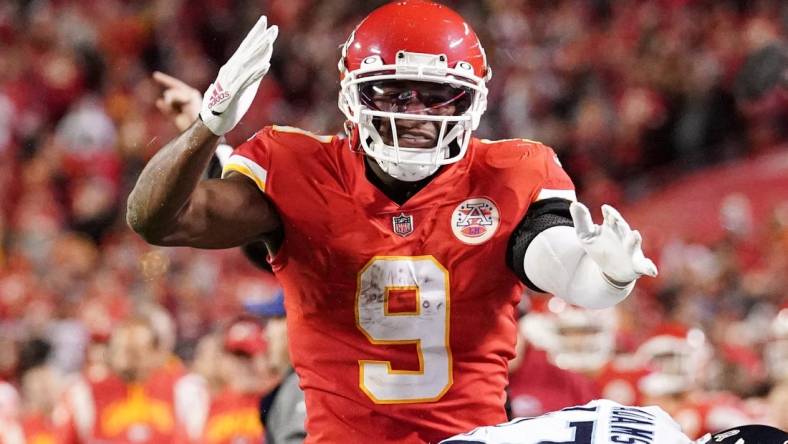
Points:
(575, 339)
(676, 362)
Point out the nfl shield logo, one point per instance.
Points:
(403, 225)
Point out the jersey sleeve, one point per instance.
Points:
(252, 158)
(555, 182)
(552, 191)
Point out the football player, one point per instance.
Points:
(228, 413)
(575, 339)
(607, 422)
(540, 383)
(583, 341)
(402, 248)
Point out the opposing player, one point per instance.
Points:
(403, 248)
(607, 422)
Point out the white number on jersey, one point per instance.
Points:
(427, 326)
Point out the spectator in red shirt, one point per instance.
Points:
(225, 410)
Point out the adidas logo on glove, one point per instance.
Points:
(230, 95)
(218, 95)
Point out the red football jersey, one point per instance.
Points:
(105, 408)
(538, 386)
(233, 418)
(400, 317)
(39, 429)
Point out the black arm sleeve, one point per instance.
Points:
(540, 216)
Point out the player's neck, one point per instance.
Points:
(397, 190)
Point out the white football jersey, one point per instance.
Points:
(598, 422)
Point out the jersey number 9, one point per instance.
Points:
(426, 326)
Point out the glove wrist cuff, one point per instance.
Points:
(617, 284)
(210, 123)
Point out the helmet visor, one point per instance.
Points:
(414, 97)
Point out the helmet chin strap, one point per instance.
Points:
(407, 172)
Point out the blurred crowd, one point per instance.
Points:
(629, 93)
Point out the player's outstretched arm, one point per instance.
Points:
(169, 205)
(594, 266)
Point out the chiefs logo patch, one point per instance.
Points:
(475, 220)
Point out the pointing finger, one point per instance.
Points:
(168, 81)
(177, 97)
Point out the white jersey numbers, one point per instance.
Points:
(405, 300)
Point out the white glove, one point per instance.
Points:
(613, 246)
(230, 95)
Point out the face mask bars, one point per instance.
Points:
(436, 155)
(350, 104)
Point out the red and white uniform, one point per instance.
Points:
(538, 386)
(9, 401)
(18, 426)
(233, 418)
(11, 431)
(39, 429)
(226, 417)
(400, 317)
(34, 428)
(107, 409)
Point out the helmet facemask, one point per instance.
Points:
(377, 100)
(575, 339)
(676, 364)
(583, 348)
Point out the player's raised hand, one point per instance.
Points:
(179, 101)
(614, 246)
(230, 95)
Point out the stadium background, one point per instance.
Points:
(669, 110)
